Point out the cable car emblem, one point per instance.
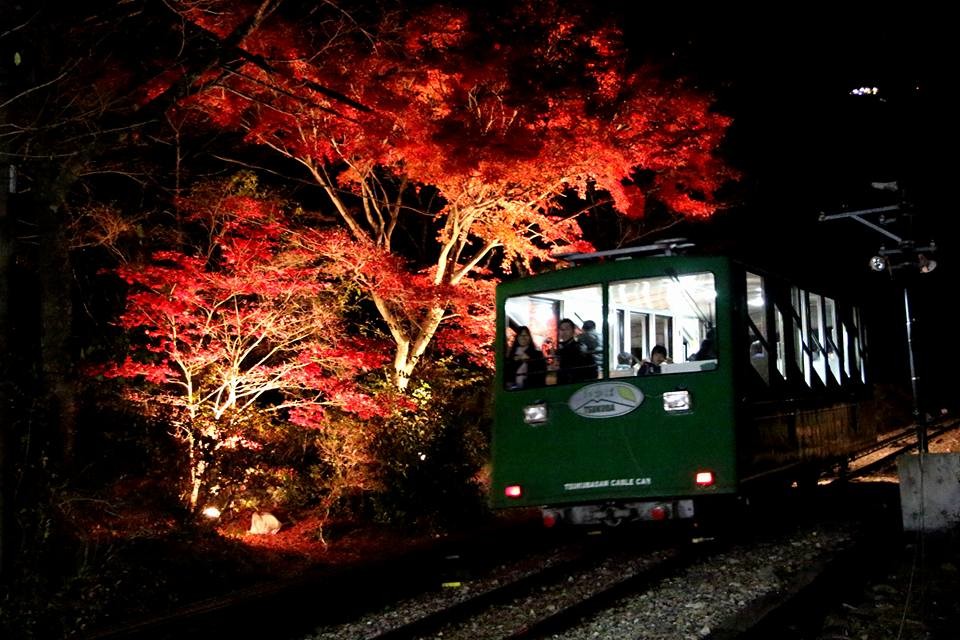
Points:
(605, 400)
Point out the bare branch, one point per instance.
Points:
(27, 92)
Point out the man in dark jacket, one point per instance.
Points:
(592, 342)
(574, 363)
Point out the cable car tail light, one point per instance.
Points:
(705, 478)
(535, 413)
(676, 401)
(551, 518)
(513, 491)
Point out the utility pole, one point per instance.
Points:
(906, 254)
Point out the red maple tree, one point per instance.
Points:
(493, 116)
(246, 321)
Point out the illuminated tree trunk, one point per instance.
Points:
(411, 345)
(411, 340)
(197, 466)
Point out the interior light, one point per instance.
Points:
(704, 478)
(513, 491)
(674, 401)
(535, 413)
(878, 263)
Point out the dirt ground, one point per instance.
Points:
(918, 599)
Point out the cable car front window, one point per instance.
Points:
(565, 342)
(675, 313)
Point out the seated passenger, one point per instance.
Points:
(658, 355)
(626, 361)
(708, 348)
(525, 365)
(708, 351)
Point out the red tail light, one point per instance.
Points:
(513, 491)
(704, 478)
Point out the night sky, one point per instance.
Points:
(798, 132)
(805, 145)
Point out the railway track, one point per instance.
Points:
(629, 595)
(888, 449)
(575, 590)
(582, 575)
(722, 587)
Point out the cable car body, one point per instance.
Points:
(779, 392)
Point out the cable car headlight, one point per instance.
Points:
(674, 401)
(535, 413)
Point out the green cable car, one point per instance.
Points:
(641, 388)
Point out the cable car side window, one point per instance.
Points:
(858, 345)
(814, 335)
(804, 350)
(831, 339)
(673, 313)
(553, 337)
(781, 342)
(757, 326)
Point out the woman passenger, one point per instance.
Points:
(525, 365)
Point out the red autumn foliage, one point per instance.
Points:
(466, 328)
(248, 314)
(499, 115)
(246, 321)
